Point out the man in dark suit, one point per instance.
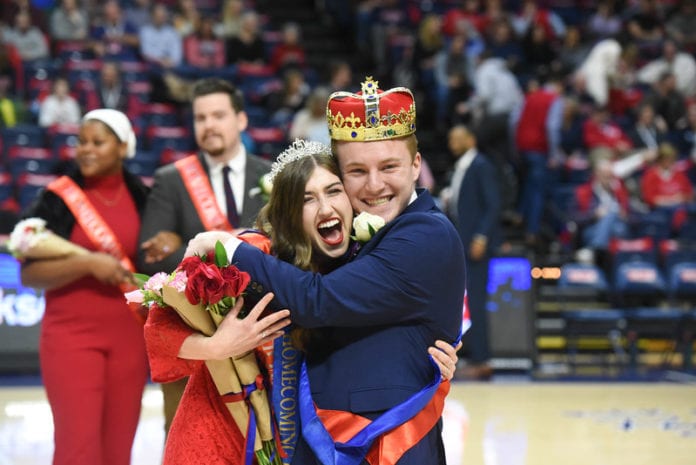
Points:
(403, 290)
(179, 205)
(473, 205)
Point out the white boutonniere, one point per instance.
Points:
(366, 225)
(263, 188)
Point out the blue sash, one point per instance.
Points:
(353, 452)
(286, 370)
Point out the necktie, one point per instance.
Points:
(229, 198)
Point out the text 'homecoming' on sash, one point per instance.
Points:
(285, 391)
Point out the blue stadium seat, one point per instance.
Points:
(29, 186)
(269, 141)
(37, 160)
(24, 135)
(582, 275)
(637, 282)
(627, 250)
(681, 281)
(655, 225)
(169, 155)
(160, 114)
(679, 266)
(6, 186)
(144, 168)
(258, 116)
(160, 138)
(60, 135)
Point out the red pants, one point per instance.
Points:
(95, 392)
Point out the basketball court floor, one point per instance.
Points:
(503, 422)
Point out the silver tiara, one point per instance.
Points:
(298, 149)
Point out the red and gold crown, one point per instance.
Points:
(371, 114)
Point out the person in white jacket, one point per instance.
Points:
(596, 72)
(681, 64)
(59, 107)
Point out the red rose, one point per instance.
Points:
(205, 284)
(189, 264)
(236, 280)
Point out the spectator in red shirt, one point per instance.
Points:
(289, 52)
(203, 49)
(665, 188)
(462, 18)
(602, 206)
(599, 131)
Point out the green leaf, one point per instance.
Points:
(140, 278)
(220, 255)
(371, 229)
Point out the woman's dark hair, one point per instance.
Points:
(281, 217)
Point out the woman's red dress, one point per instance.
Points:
(203, 430)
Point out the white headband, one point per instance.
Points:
(119, 123)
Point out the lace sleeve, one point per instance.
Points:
(164, 334)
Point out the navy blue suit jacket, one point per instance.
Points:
(380, 312)
(478, 204)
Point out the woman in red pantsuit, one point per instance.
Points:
(92, 349)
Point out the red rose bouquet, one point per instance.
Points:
(202, 290)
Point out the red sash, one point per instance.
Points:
(389, 448)
(97, 230)
(201, 193)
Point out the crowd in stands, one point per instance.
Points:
(59, 60)
(584, 107)
(587, 109)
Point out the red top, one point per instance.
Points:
(102, 309)
(586, 198)
(531, 132)
(287, 55)
(656, 184)
(604, 135)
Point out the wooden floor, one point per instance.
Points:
(505, 422)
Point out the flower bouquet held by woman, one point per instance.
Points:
(30, 239)
(203, 290)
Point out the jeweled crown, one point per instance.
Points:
(298, 149)
(371, 114)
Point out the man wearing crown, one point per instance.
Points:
(374, 397)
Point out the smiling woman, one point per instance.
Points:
(309, 209)
(89, 335)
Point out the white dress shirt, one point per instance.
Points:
(460, 169)
(237, 169)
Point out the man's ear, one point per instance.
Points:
(416, 166)
(242, 121)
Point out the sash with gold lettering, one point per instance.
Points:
(282, 361)
(201, 193)
(344, 438)
(97, 230)
(286, 377)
